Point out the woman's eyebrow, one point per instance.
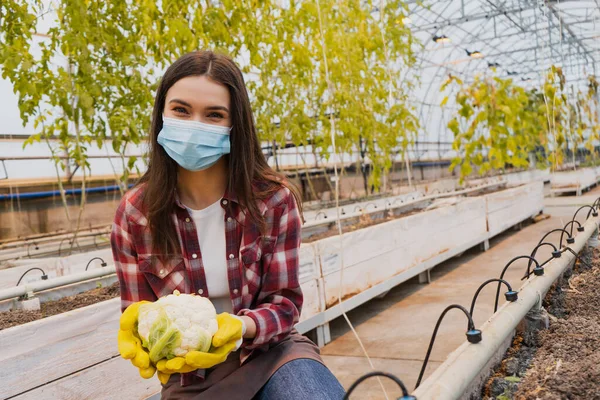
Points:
(185, 103)
(221, 108)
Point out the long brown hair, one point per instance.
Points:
(247, 164)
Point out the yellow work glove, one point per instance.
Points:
(231, 328)
(130, 344)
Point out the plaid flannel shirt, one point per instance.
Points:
(262, 269)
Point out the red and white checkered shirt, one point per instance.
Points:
(262, 269)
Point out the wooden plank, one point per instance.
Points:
(112, 379)
(54, 347)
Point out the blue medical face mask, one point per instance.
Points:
(194, 145)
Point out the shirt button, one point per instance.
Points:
(235, 291)
(200, 291)
(229, 219)
(187, 220)
(231, 256)
(162, 272)
(224, 202)
(194, 255)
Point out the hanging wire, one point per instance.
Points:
(337, 199)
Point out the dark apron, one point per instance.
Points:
(230, 381)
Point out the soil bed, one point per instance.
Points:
(364, 221)
(19, 317)
(562, 362)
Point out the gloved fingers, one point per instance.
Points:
(147, 373)
(141, 359)
(161, 366)
(163, 377)
(127, 344)
(199, 359)
(230, 328)
(175, 364)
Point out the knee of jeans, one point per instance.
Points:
(307, 370)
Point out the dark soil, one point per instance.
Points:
(562, 362)
(19, 317)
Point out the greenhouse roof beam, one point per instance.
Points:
(530, 49)
(528, 31)
(468, 34)
(569, 62)
(470, 17)
(568, 28)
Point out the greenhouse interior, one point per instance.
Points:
(323, 199)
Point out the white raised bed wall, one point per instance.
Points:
(574, 181)
(508, 207)
(375, 254)
(534, 175)
(309, 275)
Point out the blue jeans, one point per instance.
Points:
(302, 379)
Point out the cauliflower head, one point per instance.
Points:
(176, 324)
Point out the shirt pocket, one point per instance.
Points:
(164, 277)
(253, 257)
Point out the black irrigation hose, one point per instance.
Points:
(538, 270)
(103, 264)
(580, 228)
(319, 213)
(555, 254)
(593, 211)
(570, 238)
(405, 395)
(44, 276)
(36, 247)
(510, 295)
(473, 335)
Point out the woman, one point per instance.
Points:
(211, 217)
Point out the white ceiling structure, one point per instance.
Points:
(518, 39)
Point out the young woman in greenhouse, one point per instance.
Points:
(210, 217)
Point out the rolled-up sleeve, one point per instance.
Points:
(280, 299)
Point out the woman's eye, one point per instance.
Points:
(215, 115)
(180, 110)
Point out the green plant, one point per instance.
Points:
(308, 63)
(497, 123)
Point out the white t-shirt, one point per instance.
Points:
(210, 225)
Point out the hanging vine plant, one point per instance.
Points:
(100, 63)
(496, 125)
